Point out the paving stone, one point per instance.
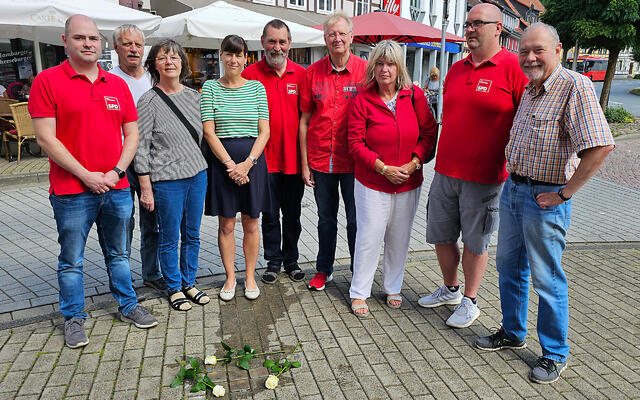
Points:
(148, 388)
(102, 389)
(80, 384)
(53, 392)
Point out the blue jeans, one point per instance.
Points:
(531, 242)
(148, 233)
(327, 201)
(74, 215)
(179, 207)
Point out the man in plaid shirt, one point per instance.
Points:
(559, 139)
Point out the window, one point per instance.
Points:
(301, 4)
(325, 6)
(301, 56)
(362, 7)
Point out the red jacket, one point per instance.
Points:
(374, 132)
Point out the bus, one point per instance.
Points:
(592, 67)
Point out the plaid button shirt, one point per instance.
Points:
(554, 125)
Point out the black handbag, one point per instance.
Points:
(204, 146)
(432, 154)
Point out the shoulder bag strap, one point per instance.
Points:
(178, 113)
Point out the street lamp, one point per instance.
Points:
(445, 23)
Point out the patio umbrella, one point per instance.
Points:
(43, 20)
(206, 27)
(373, 27)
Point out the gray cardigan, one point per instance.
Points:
(167, 150)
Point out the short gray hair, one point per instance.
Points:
(117, 33)
(549, 28)
(389, 50)
(333, 18)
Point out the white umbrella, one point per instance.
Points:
(206, 27)
(43, 20)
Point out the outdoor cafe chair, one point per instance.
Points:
(5, 111)
(23, 131)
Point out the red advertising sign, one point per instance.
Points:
(392, 6)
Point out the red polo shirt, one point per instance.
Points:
(327, 95)
(283, 149)
(89, 117)
(480, 102)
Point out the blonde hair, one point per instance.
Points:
(388, 50)
(434, 71)
(335, 17)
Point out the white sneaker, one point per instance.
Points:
(464, 315)
(441, 297)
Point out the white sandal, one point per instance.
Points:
(227, 294)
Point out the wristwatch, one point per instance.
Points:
(254, 161)
(121, 173)
(417, 163)
(562, 196)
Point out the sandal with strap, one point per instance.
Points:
(362, 306)
(295, 273)
(179, 303)
(199, 298)
(394, 297)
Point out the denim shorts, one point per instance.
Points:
(456, 205)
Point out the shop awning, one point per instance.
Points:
(43, 20)
(373, 27)
(206, 27)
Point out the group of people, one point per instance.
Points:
(520, 135)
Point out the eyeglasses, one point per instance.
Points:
(333, 35)
(477, 24)
(164, 60)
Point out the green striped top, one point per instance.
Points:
(235, 111)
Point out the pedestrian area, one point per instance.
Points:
(395, 354)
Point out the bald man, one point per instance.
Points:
(87, 178)
(481, 95)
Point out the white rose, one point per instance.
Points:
(218, 390)
(211, 360)
(272, 382)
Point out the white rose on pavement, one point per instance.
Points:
(210, 360)
(218, 391)
(272, 382)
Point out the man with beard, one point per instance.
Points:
(559, 139)
(80, 113)
(281, 78)
(481, 95)
(128, 42)
(326, 92)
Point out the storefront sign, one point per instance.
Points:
(15, 56)
(392, 6)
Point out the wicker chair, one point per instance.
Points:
(4, 105)
(24, 128)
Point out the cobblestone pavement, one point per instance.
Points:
(602, 212)
(397, 353)
(623, 164)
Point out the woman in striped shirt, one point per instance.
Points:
(171, 170)
(235, 119)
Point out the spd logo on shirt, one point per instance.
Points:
(484, 85)
(112, 103)
(292, 88)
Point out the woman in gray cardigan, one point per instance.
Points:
(172, 171)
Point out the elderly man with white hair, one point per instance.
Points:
(559, 139)
(128, 42)
(326, 92)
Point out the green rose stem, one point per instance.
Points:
(287, 359)
(256, 354)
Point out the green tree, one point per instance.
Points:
(601, 24)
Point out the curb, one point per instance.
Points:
(18, 180)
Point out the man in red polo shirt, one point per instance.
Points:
(281, 78)
(80, 113)
(481, 96)
(326, 92)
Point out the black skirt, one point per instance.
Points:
(224, 197)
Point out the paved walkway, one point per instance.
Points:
(396, 354)
(603, 212)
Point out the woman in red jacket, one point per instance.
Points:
(391, 133)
